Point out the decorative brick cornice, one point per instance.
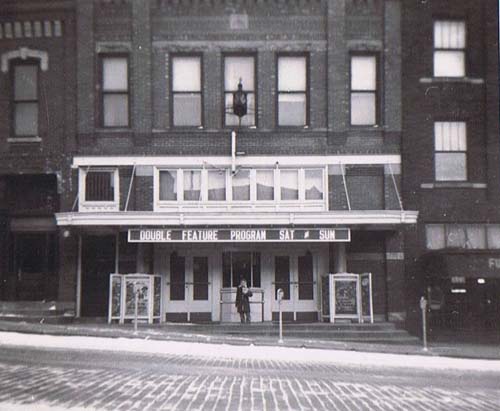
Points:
(30, 29)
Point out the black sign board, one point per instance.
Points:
(215, 235)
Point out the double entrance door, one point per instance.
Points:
(294, 274)
(188, 288)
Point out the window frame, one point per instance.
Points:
(103, 93)
(306, 92)
(173, 93)
(446, 229)
(228, 178)
(464, 152)
(242, 54)
(176, 172)
(14, 102)
(87, 205)
(438, 49)
(375, 92)
(254, 274)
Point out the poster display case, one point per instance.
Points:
(347, 296)
(122, 292)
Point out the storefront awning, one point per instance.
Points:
(378, 218)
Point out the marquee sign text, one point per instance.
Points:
(215, 235)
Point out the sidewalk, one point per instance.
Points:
(182, 333)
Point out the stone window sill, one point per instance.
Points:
(468, 80)
(24, 140)
(453, 184)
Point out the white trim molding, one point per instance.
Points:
(24, 53)
(242, 161)
(380, 218)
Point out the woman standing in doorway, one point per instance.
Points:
(242, 301)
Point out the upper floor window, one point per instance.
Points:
(245, 185)
(363, 90)
(115, 92)
(99, 189)
(236, 69)
(186, 91)
(25, 100)
(449, 48)
(99, 186)
(450, 142)
(292, 91)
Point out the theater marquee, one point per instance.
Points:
(217, 235)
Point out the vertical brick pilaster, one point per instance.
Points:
(212, 89)
(68, 255)
(69, 140)
(266, 84)
(395, 268)
(160, 90)
(318, 73)
(85, 66)
(392, 115)
(141, 67)
(338, 76)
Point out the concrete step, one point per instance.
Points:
(299, 328)
(35, 312)
(38, 318)
(378, 332)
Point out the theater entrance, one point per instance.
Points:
(188, 285)
(296, 275)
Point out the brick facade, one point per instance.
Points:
(472, 99)
(328, 32)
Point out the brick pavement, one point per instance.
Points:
(191, 383)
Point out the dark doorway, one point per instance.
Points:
(33, 272)
(98, 261)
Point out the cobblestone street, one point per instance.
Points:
(67, 379)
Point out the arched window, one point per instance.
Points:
(24, 65)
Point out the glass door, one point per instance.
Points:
(295, 275)
(235, 266)
(188, 289)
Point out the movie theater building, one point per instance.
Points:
(167, 180)
(277, 221)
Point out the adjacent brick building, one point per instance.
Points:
(450, 158)
(148, 170)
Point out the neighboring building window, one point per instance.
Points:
(100, 186)
(292, 91)
(449, 48)
(450, 146)
(25, 114)
(238, 68)
(186, 91)
(363, 90)
(494, 236)
(466, 236)
(168, 185)
(115, 90)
